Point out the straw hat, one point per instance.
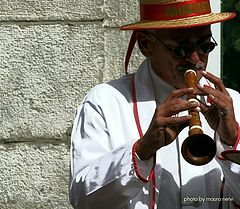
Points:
(157, 14)
(163, 14)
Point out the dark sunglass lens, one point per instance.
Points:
(206, 48)
(182, 51)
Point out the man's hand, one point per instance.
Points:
(165, 125)
(220, 115)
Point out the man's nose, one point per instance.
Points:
(193, 57)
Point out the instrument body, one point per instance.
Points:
(198, 148)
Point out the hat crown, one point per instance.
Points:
(163, 14)
(172, 9)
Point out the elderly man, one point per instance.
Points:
(128, 133)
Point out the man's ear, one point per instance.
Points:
(144, 43)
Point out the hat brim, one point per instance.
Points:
(188, 22)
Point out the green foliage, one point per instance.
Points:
(231, 46)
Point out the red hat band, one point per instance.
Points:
(172, 9)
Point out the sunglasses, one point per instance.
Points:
(184, 50)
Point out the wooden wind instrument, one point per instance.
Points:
(198, 148)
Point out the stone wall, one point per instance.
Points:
(51, 53)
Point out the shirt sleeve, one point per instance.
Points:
(102, 175)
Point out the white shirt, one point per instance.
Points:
(102, 173)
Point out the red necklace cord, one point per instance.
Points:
(151, 176)
(135, 108)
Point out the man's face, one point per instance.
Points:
(170, 64)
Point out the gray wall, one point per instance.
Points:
(51, 53)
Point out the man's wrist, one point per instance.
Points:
(143, 151)
(231, 140)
